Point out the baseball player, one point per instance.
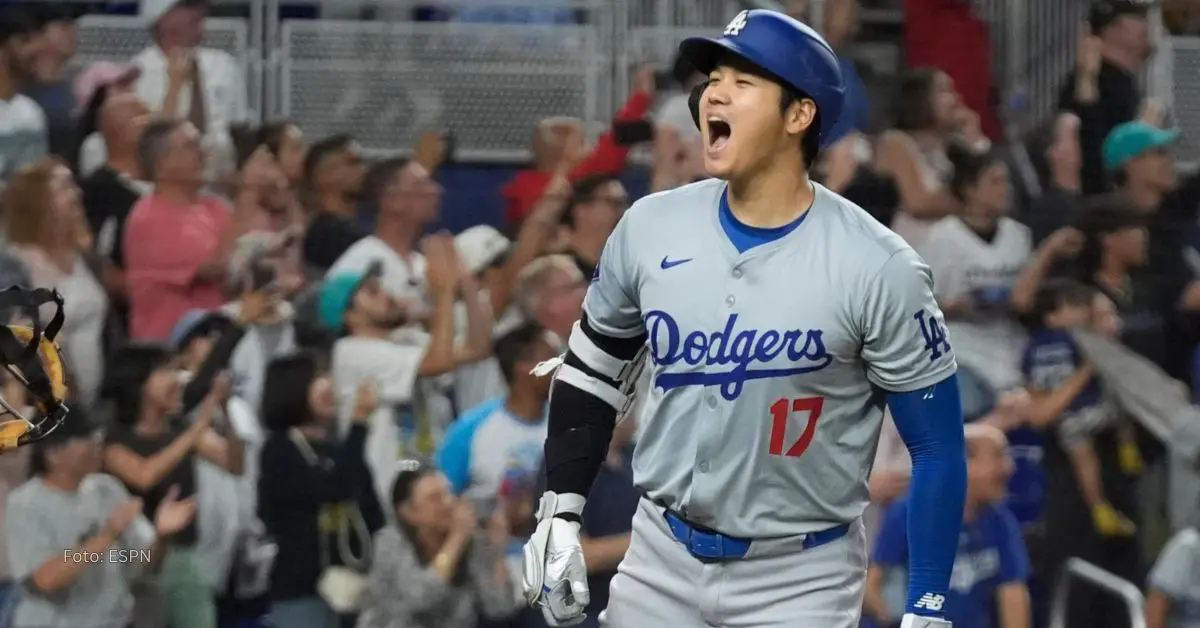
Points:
(778, 319)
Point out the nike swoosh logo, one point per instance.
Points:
(672, 263)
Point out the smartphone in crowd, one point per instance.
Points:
(633, 132)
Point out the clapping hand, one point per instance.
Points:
(123, 515)
(173, 514)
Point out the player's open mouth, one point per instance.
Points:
(718, 133)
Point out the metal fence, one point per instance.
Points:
(387, 80)
(1179, 89)
(119, 38)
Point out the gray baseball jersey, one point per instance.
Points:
(768, 368)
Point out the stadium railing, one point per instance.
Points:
(1081, 570)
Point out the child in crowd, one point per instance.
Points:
(1057, 374)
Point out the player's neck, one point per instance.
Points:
(771, 198)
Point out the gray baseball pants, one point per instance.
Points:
(660, 584)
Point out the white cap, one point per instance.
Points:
(480, 246)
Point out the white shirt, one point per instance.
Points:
(225, 100)
(227, 502)
(990, 340)
(23, 135)
(403, 279)
(83, 328)
(1177, 575)
(393, 368)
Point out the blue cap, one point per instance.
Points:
(1131, 140)
(785, 48)
(187, 325)
(336, 295)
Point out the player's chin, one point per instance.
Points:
(718, 166)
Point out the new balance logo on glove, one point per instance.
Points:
(931, 602)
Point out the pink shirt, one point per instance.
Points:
(165, 245)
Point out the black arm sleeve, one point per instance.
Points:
(581, 424)
(217, 361)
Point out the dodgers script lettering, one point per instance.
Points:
(804, 351)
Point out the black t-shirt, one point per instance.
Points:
(1144, 326)
(1120, 98)
(182, 476)
(1054, 209)
(328, 237)
(57, 100)
(292, 493)
(108, 199)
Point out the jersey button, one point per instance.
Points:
(737, 273)
(712, 402)
(702, 467)
(729, 300)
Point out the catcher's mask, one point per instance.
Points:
(31, 356)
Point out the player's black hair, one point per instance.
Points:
(516, 346)
(1057, 293)
(968, 166)
(322, 150)
(914, 107)
(810, 144)
(583, 191)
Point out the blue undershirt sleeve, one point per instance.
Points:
(930, 422)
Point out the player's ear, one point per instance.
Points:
(799, 116)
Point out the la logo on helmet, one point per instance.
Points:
(735, 27)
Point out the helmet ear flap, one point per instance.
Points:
(694, 102)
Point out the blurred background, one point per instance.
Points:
(311, 251)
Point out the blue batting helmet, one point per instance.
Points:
(785, 48)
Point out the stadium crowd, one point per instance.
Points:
(297, 404)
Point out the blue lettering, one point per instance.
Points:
(740, 349)
(935, 337)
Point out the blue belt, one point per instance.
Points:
(712, 546)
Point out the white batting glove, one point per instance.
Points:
(917, 621)
(555, 577)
